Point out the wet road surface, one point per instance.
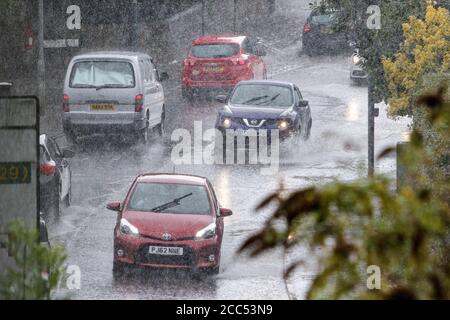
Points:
(104, 168)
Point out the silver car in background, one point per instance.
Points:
(115, 93)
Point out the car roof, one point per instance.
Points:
(219, 39)
(112, 55)
(268, 82)
(172, 178)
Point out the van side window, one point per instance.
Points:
(145, 70)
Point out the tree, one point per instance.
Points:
(374, 44)
(365, 223)
(425, 51)
(38, 268)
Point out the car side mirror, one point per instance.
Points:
(163, 77)
(221, 98)
(225, 212)
(303, 103)
(67, 153)
(115, 206)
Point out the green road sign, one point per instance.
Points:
(15, 172)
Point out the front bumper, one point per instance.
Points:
(358, 73)
(196, 254)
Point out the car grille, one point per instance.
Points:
(187, 259)
(268, 123)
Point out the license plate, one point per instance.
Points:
(214, 69)
(166, 251)
(326, 30)
(102, 107)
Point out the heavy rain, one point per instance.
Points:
(162, 126)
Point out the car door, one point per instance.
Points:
(304, 112)
(160, 98)
(62, 164)
(154, 93)
(148, 94)
(219, 219)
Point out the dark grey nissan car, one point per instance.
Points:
(266, 105)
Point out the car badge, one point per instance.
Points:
(254, 122)
(167, 237)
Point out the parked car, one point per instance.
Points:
(319, 35)
(113, 92)
(358, 74)
(55, 176)
(169, 221)
(218, 63)
(266, 105)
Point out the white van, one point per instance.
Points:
(113, 92)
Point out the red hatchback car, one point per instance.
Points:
(169, 221)
(220, 62)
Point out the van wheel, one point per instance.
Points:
(144, 134)
(161, 128)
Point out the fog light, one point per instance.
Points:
(120, 253)
(212, 258)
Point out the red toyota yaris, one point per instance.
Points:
(220, 62)
(169, 221)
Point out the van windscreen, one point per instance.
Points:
(102, 74)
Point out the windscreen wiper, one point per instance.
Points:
(256, 99)
(171, 204)
(271, 99)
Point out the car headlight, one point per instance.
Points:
(206, 233)
(128, 229)
(356, 59)
(283, 124)
(226, 123)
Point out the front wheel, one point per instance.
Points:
(119, 271)
(308, 131)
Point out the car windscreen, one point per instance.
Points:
(263, 95)
(113, 74)
(214, 51)
(177, 198)
(324, 18)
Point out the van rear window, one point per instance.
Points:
(102, 74)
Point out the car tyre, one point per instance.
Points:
(161, 128)
(119, 271)
(144, 135)
(55, 201)
(68, 198)
(308, 133)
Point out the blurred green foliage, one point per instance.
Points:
(37, 270)
(350, 226)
